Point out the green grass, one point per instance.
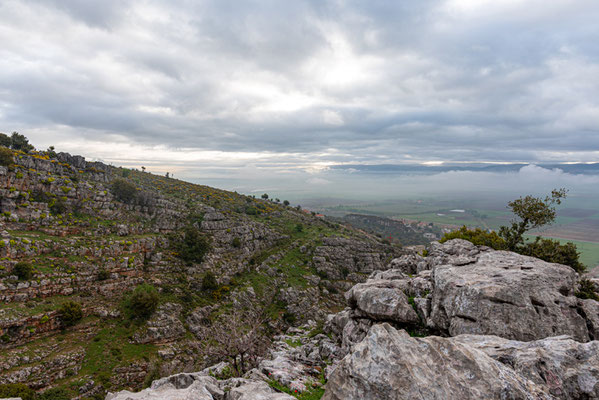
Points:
(35, 306)
(314, 393)
(111, 348)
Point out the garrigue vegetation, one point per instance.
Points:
(531, 212)
(124, 190)
(6, 156)
(142, 303)
(70, 313)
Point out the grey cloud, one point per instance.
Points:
(422, 82)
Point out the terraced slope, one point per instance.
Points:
(77, 243)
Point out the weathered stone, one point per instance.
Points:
(389, 364)
(508, 295)
(382, 300)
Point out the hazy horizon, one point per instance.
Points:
(224, 91)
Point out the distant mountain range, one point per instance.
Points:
(579, 168)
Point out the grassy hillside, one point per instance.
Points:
(88, 244)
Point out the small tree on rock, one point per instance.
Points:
(531, 212)
(143, 302)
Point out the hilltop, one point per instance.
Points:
(78, 237)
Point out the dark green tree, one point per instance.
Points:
(6, 157)
(23, 270)
(70, 313)
(124, 190)
(20, 142)
(143, 301)
(192, 246)
(5, 140)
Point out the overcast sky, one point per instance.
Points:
(217, 88)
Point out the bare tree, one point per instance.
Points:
(239, 337)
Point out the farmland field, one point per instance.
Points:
(578, 224)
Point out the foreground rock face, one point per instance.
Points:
(389, 364)
(517, 306)
(500, 326)
(508, 295)
(461, 288)
(568, 369)
(198, 386)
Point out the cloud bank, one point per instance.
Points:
(222, 89)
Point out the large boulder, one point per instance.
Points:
(568, 369)
(197, 386)
(389, 364)
(506, 294)
(383, 300)
(176, 387)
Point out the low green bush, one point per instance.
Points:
(103, 275)
(23, 270)
(553, 251)
(6, 157)
(17, 390)
(55, 394)
(209, 282)
(477, 236)
(142, 303)
(70, 313)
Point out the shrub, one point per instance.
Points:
(57, 206)
(5, 140)
(236, 242)
(6, 157)
(552, 251)
(192, 247)
(143, 301)
(250, 210)
(299, 228)
(20, 142)
(587, 290)
(23, 270)
(476, 236)
(55, 394)
(123, 190)
(209, 282)
(17, 390)
(103, 275)
(70, 313)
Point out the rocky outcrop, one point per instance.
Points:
(519, 306)
(461, 288)
(198, 386)
(339, 257)
(389, 364)
(296, 362)
(163, 327)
